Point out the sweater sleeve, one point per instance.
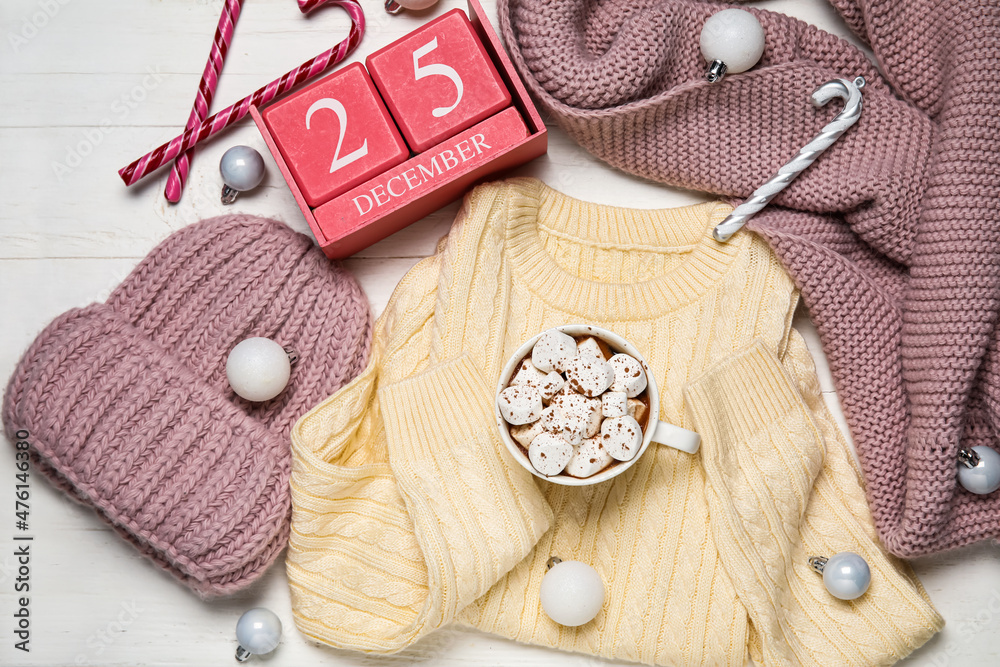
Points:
(781, 486)
(356, 575)
(475, 512)
(405, 507)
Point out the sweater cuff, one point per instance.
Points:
(476, 512)
(443, 403)
(741, 395)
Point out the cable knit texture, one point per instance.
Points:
(128, 408)
(408, 512)
(893, 236)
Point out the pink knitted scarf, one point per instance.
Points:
(893, 235)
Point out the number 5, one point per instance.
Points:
(336, 107)
(439, 70)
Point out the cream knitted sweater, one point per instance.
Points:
(408, 513)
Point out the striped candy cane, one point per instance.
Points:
(206, 91)
(304, 72)
(850, 92)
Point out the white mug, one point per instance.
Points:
(657, 431)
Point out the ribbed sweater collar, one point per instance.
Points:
(534, 208)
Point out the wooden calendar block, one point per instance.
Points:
(335, 134)
(424, 183)
(407, 191)
(438, 80)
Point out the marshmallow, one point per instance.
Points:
(590, 347)
(566, 389)
(525, 433)
(553, 350)
(520, 404)
(569, 426)
(614, 404)
(588, 459)
(550, 385)
(593, 422)
(588, 409)
(622, 437)
(550, 417)
(573, 429)
(637, 409)
(549, 454)
(571, 403)
(629, 376)
(589, 375)
(527, 374)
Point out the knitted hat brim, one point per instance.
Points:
(168, 461)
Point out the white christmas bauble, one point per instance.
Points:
(258, 369)
(846, 575)
(242, 168)
(572, 593)
(985, 476)
(735, 37)
(259, 631)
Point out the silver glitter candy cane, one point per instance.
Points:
(850, 92)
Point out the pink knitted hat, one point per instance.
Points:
(893, 235)
(128, 408)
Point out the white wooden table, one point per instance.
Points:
(90, 85)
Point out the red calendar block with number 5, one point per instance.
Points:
(438, 80)
(335, 134)
(465, 123)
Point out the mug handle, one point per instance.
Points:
(674, 436)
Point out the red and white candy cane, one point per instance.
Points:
(304, 72)
(206, 91)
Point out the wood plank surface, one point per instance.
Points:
(90, 85)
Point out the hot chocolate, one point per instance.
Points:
(575, 405)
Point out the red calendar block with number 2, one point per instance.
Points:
(438, 80)
(335, 134)
(345, 162)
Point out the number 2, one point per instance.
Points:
(336, 107)
(439, 70)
